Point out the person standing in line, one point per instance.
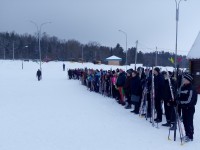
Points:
(167, 98)
(159, 85)
(120, 84)
(188, 100)
(127, 88)
(136, 91)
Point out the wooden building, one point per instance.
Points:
(114, 60)
(194, 62)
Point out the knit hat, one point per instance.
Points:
(129, 71)
(188, 77)
(164, 72)
(157, 69)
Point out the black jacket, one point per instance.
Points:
(136, 88)
(121, 79)
(166, 90)
(39, 73)
(188, 96)
(159, 85)
(127, 86)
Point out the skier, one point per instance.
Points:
(127, 88)
(113, 81)
(136, 91)
(63, 67)
(39, 74)
(188, 100)
(159, 84)
(120, 83)
(167, 97)
(70, 73)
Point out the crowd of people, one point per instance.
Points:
(146, 91)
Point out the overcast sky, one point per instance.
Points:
(152, 22)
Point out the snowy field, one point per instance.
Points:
(61, 114)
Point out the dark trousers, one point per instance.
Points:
(188, 115)
(169, 112)
(137, 107)
(149, 104)
(114, 92)
(39, 77)
(158, 107)
(128, 98)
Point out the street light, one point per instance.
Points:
(177, 19)
(126, 45)
(39, 28)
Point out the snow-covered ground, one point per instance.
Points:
(61, 114)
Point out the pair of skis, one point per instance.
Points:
(177, 117)
(143, 109)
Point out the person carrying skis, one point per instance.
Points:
(187, 101)
(167, 97)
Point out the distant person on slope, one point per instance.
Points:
(39, 74)
(63, 67)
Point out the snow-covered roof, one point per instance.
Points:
(194, 52)
(113, 58)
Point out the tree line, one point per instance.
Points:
(26, 47)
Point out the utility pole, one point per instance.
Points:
(126, 46)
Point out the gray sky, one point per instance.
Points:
(152, 22)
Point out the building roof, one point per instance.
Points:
(113, 58)
(194, 52)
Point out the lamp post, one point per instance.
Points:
(39, 28)
(177, 19)
(126, 45)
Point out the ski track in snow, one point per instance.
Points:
(61, 114)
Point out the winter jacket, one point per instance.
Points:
(159, 85)
(188, 96)
(127, 86)
(121, 79)
(136, 88)
(113, 79)
(166, 90)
